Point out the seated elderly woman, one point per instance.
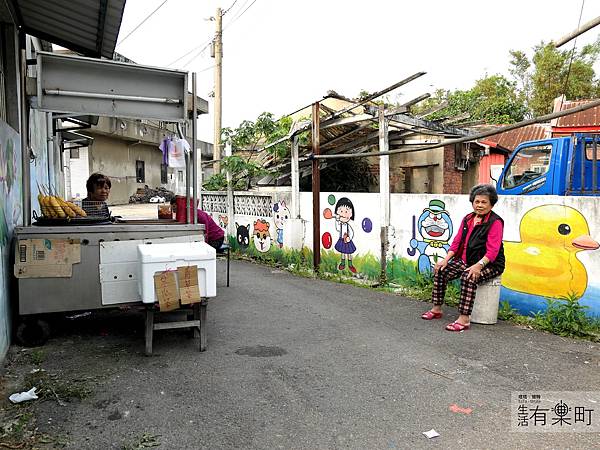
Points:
(98, 188)
(476, 255)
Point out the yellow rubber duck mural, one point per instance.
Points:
(544, 262)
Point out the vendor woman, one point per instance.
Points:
(98, 188)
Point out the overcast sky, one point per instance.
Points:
(280, 55)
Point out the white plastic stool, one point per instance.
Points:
(485, 308)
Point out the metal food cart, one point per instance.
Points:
(98, 270)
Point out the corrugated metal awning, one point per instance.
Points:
(89, 27)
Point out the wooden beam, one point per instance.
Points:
(316, 187)
(432, 110)
(416, 100)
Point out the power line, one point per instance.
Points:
(203, 45)
(239, 15)
(207, 43)
(564, 96)
(232, 5)
(142, 22)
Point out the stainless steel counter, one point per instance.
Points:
(82, 291)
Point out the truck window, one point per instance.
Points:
(528, 164)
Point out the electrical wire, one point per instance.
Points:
(142, 22)
(239, 15)
(207, 43)
(564, 96)
(228, 9)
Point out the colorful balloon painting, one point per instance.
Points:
(367, 225)
(326, 240)
(327, 213)
(331, 199)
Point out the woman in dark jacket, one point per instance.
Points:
(476, 255)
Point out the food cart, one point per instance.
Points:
(66, 264)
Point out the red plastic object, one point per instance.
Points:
(181, 214)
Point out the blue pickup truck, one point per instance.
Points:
(556, 166)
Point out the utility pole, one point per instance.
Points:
(218, 55)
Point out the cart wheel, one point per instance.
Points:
(33, 332)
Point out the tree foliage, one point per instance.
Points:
(250, 136)
(552, 72)
(493, 99)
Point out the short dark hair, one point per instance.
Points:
(97, 179)
(484, 189)
(345, 201)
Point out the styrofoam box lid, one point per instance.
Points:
(194, 251)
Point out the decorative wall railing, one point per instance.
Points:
(243, 203)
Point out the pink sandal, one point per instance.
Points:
(430, 315)
(456, 326)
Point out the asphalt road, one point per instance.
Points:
(296, 363)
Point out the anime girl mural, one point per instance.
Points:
(344, 213)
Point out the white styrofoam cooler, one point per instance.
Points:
(154, 258)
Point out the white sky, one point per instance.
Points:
(282, 55)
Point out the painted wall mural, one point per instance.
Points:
(551, 243)
(242, 235)
(544, 262)
(10, 217)
(281, 214)
(260, 236)
(435, 230)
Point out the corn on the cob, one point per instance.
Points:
(79, 211)
(55, 205)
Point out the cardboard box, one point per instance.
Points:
(46, 258)
(189, 290)
(165, 285)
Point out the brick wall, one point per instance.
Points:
(453, 178)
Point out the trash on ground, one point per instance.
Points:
(457, 409)
(77, 316)
(431, 434)
(24, 396)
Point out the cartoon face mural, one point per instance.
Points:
(242, 235)
(344, 214)
(435, 227)
(224, 220)
(261, 236)
(281, 213)
(544, 262)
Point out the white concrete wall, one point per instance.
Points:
(551, 242)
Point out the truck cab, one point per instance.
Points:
(556, 166)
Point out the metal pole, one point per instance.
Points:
(384, 191)
(472, 137)
(295, 179)
(230, 200)
(594, 163)
(194, 147)
(218, 43)
(24, 133)
(316, 187)
(582, 29)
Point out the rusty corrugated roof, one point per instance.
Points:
(588, 118)
(510, 139)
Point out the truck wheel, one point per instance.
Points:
(33, 332)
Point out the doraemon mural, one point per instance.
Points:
(435, 227)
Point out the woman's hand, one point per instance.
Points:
(474, 272)
(440, 265)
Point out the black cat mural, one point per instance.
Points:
(243, 235)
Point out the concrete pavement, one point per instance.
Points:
(297, 363)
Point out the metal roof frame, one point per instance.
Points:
(89, 27)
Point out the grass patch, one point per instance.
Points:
(146, 440)
(37, 356)
(50, 387)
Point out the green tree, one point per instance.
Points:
(250, 136)
(552, 72)
(493, 99)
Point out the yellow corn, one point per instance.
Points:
(77, 209)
